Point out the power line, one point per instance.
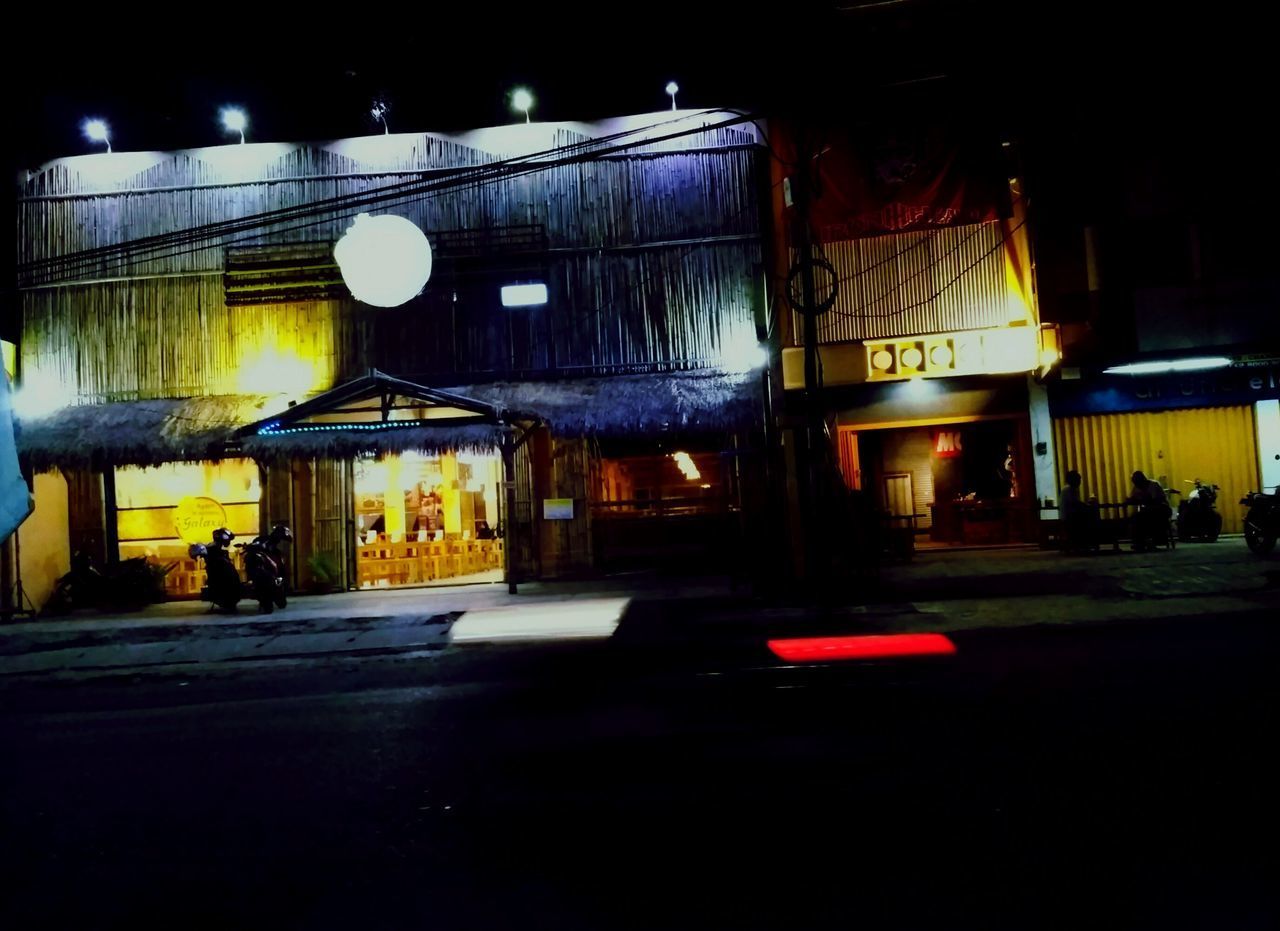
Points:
(858, 315)
(331, 209)
(282, 214)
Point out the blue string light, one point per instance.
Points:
(274, 429)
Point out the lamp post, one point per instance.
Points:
(522, 100)
(234, 121)
(672, 89)
(98, 132)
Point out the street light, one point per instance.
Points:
(97, 131)
(522, 100)
(672, 89)
(234, 121)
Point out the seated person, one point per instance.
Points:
(1079, 517)
(1151, 523)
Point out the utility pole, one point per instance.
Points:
(812, 468)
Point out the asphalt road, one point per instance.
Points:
(1119, 776)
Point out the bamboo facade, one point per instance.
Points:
(652, 260)
(651, 257)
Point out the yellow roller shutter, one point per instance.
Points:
(1214, 444)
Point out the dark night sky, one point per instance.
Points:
(1103, 99)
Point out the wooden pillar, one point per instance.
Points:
(509, 519)
(111, 530)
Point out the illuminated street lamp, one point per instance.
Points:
(234, 121)
(672, 89)
(97, 131)
(522, 100)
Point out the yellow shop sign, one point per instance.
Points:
(196, 519)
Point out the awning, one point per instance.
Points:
(430, 420)
(136, 432)
(381, 413)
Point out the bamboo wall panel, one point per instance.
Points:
(653, 260)
(916, 283)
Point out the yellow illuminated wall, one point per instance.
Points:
(1214, 444)
(43, 539)
(146, 498)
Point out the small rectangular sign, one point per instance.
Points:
(557, 509)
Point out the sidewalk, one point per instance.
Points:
(938, 591)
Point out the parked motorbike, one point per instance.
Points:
(1262, 522)
(1198, 517)
(264, 565)
(223, 586)
(127, 585)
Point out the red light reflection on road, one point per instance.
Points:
(868, 646)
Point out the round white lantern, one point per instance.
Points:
(385, 260)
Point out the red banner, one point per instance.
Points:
(879, 181)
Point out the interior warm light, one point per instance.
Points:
(684, 462)
(882, 359)
(385, 260)
(912, 358)
(1048, 357)
(867, 646)
(1171, 365)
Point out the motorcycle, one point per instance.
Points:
(1262, 522)
(1198, 517)
(264, 565)
(126, 585)
(223, 586)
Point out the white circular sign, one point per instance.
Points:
(385, 260)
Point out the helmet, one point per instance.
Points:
(222, 536)
(197, 551)
(281, 533)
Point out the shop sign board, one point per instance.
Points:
(1120, 393)
(557, 509)
(947, 444)
(196, 518)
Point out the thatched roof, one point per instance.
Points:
(340, 444)
(629, 405)
(150, 432)
(136, 432)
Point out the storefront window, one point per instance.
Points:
(427, 519)
(964, 483)
(152, 502)
(669, 483)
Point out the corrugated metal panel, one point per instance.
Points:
(930, 282)
(1214, 444)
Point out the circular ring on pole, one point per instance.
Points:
(819, 267)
